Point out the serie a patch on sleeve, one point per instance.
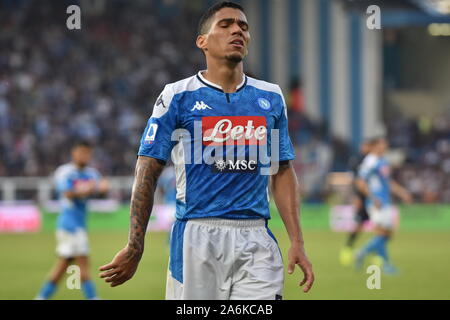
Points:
(151, 133)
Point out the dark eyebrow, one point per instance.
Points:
(231, 20)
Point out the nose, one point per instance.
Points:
(236, 30)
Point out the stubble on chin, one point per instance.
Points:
(235, 58)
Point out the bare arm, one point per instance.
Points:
(285, 189)
(125, 263)
(77, 194)
(92, 188)
(147, 173)
(80, 194)
(400, 192)
(397, 190)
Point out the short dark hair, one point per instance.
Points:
(82, 143)
(206, 17)
(374, 140)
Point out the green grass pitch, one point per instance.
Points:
(423, 257)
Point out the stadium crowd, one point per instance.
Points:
(97, 83)
(426, 171)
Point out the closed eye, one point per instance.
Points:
(225, 23)
(243, 25)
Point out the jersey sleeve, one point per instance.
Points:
(156, 140)
(63, 182)
(286, 148)
(95, 175)
(366, 168)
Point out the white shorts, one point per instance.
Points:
(221, 259)
(72, 244)
(383, 217)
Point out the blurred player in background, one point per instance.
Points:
(221, 247)
(376, 184)
(163, 213)
(168, 184)
(75, 183)
(359, 205)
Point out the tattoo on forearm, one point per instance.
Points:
(146, 177)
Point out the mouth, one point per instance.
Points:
(237, 43)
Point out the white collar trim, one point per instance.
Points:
(200, 75)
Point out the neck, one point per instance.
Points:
(228, 75)
(79, 166)
(378, 154)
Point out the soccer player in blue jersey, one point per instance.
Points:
(376, 184)
(359, 204)
(221, 247)
(75, 183)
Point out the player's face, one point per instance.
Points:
(228, 36)
(365, 148)
(384, 145)
(81, 155)
(381, 146)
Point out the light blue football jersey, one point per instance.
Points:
(228, 141)
(73, 211)
(376, 172)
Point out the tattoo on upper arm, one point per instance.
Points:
(146, 176)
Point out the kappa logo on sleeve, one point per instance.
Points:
(151, 133)
(160, 101)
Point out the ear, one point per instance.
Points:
(202, 42)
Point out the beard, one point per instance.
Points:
(234, 58)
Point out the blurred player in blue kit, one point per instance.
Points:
(75, 183)
(376, 184)
(221, 247)
(359, 205)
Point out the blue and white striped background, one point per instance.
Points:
(331, 50)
